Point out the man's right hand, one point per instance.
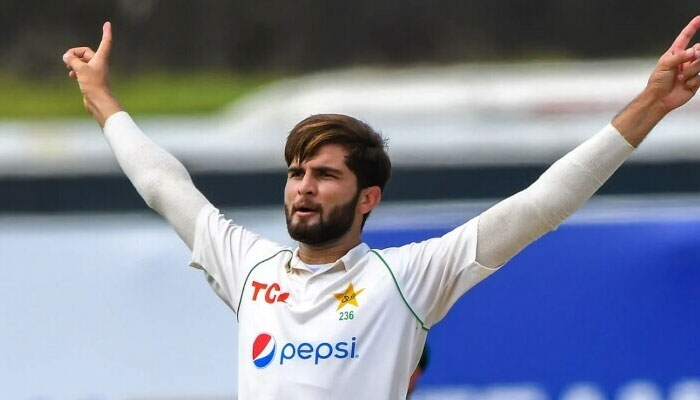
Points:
(91, 70)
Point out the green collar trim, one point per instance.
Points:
(400, 292)
(240, 300)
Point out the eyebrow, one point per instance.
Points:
(322, 168)
(328, 169)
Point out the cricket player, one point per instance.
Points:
(332, 318)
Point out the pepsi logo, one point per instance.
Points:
(263, 350)
(265, 346)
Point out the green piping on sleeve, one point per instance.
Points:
(240, 300)
(399, 289)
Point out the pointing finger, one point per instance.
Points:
(686, 35)
(106, 44)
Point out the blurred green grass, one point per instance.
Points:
(146, 93)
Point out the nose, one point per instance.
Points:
(307, 186)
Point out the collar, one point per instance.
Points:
(349, 260)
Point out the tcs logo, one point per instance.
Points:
(265, 347)
(273, 293)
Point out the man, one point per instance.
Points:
(333, 319)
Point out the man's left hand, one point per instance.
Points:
(675, 79)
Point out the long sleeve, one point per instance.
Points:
(509, 226)
(160, 179)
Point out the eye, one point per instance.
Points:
(295, 174)
(325, 174)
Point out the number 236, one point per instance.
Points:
(346, 315)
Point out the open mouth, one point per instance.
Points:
(303, 211)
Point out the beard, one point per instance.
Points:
(333, 226)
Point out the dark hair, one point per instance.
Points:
(366, 148)
(367, 157)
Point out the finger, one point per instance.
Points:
(686, 35)
(72, 74)
(72, 62)
(683, 67)
(106, 44)
(84, 53)
(691, 69)
(693, 83)
(674, 59)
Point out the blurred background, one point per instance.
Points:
(476, 99)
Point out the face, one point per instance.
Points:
(321, 197)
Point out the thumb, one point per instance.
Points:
(671, 60)
(73, 62)
(106, 44)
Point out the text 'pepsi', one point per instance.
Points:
(264, 348)
(321, 352)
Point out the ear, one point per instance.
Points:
(369, 198)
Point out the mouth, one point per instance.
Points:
(305, 211)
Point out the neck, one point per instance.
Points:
(327, 252)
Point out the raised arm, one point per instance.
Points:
(512, 224)
(160, 179)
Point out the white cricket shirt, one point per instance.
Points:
(352, 331)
